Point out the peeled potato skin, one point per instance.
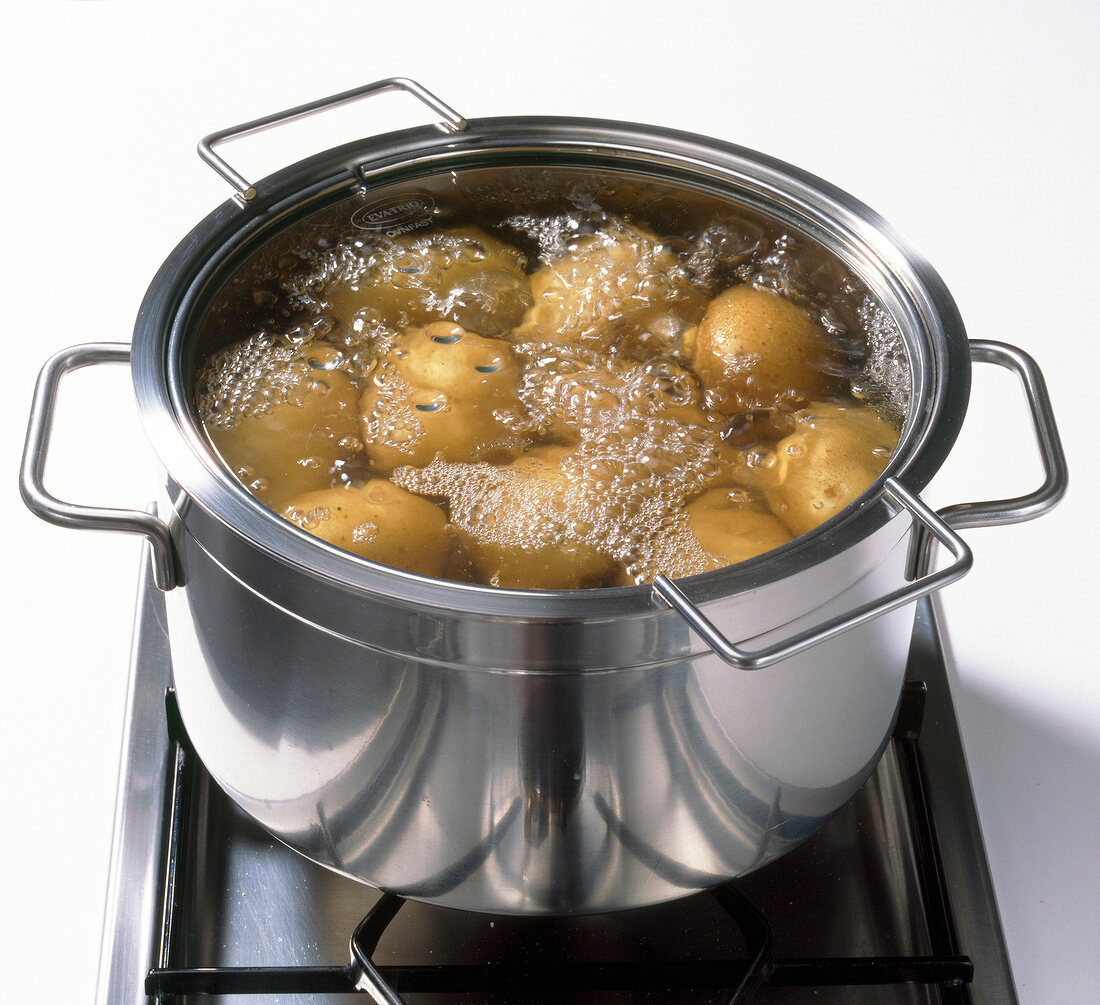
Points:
(732, 532)
(836, 452)
(294, 442)
(535, 493)
(757, 350)
(378, 521)
(441, 389)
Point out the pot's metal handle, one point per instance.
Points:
(998, 512)
(451, 122)
(745, 659)
(54, 510)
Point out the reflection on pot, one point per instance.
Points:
(552, 792)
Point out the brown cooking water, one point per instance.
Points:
(641, 436)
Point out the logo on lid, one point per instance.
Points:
(396, 214)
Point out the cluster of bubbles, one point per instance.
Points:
(884, 377)
(636, 447)
(251, 377)
(458, 275)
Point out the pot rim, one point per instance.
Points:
(177, 299)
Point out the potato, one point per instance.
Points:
(378, 521)
(461, 275)
(756, 350)
(617, 287)
(442, 389)
(522, 531)
(833, 456)
(730, 530)
(284, 419)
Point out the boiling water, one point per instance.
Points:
(591, 304)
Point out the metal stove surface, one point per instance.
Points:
(239, 899)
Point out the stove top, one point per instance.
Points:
(890, 902)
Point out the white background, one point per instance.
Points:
(972, 128)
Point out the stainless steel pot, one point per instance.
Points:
(539, 752)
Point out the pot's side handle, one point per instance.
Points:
(744, 659)
(55, 510)
(451, 122)
(997, 512)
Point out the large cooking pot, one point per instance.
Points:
(539, 752)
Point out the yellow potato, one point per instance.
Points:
(757, 350)
(378, 521)
(442, 389)
(525, 530)
(731, 530)
(833, 456)
(282, 418)
(619, 286)
(461, 275)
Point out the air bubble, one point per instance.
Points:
(308, 519)
(365, 533)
